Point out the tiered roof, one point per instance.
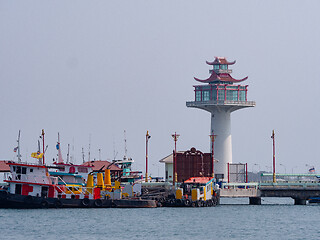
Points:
(220, 77)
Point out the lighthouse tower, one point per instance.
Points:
(221, 95)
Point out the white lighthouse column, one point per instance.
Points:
(221, 127)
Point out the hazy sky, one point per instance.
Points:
(98, 68)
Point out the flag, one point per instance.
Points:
(312, 170)
(15, 149)
(37, 155)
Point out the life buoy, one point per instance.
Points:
(187, 203)
(44, 204)
(98, 202)
(58, 204)
(85, 202)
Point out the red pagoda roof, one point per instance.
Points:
(220, 76)
(223, 77)
(220, 60)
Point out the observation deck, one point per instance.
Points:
(216, 104)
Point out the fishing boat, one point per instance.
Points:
(63, 185)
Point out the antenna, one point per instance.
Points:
(89, 147)
(68, 153)
(125, 145)
(82, 156)
(72, 152)
(19, 155)
(114, 150)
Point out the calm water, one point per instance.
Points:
(275, 219)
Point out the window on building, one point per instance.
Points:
(31, 169)
(205, 96)
(18, 170)
(82, 169)
(224, 67)
(61, 169)
(24, 170)
(221, 95)
(198, 96)
(216, 67)
(242, 96)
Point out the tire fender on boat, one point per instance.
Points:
(187, 203)
(85, 202)
(98, 202)
(58, 204)
(44, 204)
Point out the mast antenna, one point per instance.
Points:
(89, 147)
(82, 156)
(19, 155)
(125, 144)
(114, 150)
(68, 153)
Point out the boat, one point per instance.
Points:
(64, 185)
(194, 192)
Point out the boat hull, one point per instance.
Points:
(8, 200)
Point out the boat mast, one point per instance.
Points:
(60, 159)
(125, 145)
(43, 145)
(19, 155)
(82, 156)
(89, 148)
(68, 153)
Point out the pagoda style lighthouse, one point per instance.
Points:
(221, 95)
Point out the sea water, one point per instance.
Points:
(233, 219)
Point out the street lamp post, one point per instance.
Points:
(212, 137)
(147, 139)
(175, 175)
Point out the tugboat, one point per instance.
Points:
(194, 192)
(34, 186)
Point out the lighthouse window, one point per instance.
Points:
(198, 96)
(216, 67)
(205, 96)
(242, 96)
(221, 95)
(224, 66)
